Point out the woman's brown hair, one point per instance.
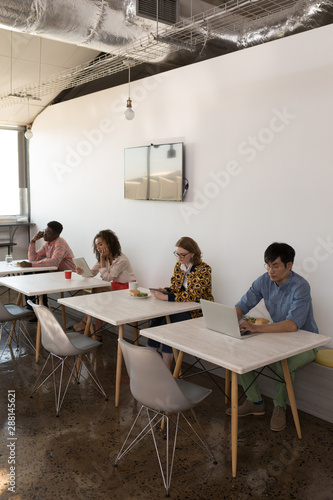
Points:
(191, 246)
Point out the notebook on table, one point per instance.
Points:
(223, 319)
(81, 262)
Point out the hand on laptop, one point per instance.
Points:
(246, 326)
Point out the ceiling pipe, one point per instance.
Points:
(112, 26)
(108, 25)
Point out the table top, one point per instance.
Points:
(119, 308)
(237, 355)
(13, 268)
(40, 284)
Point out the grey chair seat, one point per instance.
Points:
(81, 342)
(193, 393)
(10, 312)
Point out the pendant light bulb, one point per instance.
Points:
(129, 113)
(28, 133)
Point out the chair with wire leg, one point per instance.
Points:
(160, 395)
(11, 322)
(61, 346)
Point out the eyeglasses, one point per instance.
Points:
(180, 255)
(274, 267)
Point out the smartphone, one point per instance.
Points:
(159, 290)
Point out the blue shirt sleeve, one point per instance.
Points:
(252, 297)
(300, 305)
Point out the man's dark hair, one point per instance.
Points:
(282, 250)
(55, 226)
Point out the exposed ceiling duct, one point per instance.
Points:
(114, 28)
(98, 24)
(108, 25)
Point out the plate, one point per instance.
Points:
(135, 297)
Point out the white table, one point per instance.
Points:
(46, 283)
(238, 356)
(13, 268)
(118, 309)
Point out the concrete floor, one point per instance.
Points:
(71, 457)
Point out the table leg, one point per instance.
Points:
(88, 325)
(291, 396)
(178, 366)
(119, 362)
(234, 421)
(19, 300)
(176, 354)
(63, 312)
(38, 335)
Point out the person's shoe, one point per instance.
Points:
(278, 420)
(79, 327)
(249, 408)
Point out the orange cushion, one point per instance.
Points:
(325, 357)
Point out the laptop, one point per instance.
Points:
(223, 319)
(81, 262)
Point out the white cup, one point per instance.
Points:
(133, 285)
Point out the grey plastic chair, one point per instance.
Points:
(160, 394)
(62, 346)
(11, 322)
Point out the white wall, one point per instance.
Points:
(257, 126)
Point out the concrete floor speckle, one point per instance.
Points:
(71, 457)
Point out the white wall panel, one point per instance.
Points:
(257, 129)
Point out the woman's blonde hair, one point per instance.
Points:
(191, 246)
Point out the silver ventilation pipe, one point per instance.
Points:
(108, 25)
(97, 24)
(113, 27)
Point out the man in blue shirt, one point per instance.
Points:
(288, 300)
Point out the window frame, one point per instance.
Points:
(23, 171)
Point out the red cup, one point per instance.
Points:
(68, 275)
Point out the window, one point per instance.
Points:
(13, 174)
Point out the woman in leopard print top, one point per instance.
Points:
(191, 281)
